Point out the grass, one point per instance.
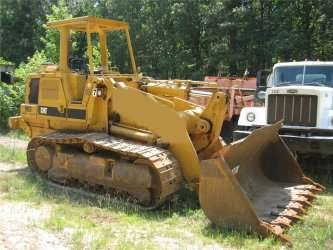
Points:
(110, 222)
(14, 133)
(13, 154)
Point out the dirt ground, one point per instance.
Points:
(20, 224)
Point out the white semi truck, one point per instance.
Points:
(301, 95)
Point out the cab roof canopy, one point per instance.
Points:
(88, 23)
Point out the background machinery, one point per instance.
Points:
(118, 131)
(241, 92)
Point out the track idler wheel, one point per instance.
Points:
(43, 157)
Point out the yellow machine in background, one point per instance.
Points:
(116, 130)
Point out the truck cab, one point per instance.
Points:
(300, 94)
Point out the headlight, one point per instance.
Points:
(251, 116)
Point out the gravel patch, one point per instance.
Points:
(13, 142)
(21, 225)
(20, 228)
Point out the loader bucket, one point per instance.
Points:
(256, 185)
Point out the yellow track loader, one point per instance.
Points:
(113, 130)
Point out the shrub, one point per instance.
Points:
(32, 65)
(4, 61)
(11, 96)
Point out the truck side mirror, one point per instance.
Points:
(261, 95)
(262, 76)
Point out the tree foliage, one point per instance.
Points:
(182, 38)
(51, 38)
(21, 27)
(33, 65)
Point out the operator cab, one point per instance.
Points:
(87, 45)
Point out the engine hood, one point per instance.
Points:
(301, 90)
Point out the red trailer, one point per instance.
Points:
(241, 93)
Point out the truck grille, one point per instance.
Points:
(295, 110)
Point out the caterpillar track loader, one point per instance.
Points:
(117, 131)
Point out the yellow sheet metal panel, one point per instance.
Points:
(81, 22)
(51, 93)
(64, 50)
(138, 108)
(77, 84)
(49, 89)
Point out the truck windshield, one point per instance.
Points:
(304, 75)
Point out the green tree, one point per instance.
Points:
(52, 36)
(21, 27)
(180, 38)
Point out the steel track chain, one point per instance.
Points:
(161, 161)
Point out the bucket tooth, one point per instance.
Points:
(310, 181)
(277, 231)
(304, 193)
(288, 213)
(282, 221)
(311, 188)
(292, 214)
(301, 199)
(298, 207)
